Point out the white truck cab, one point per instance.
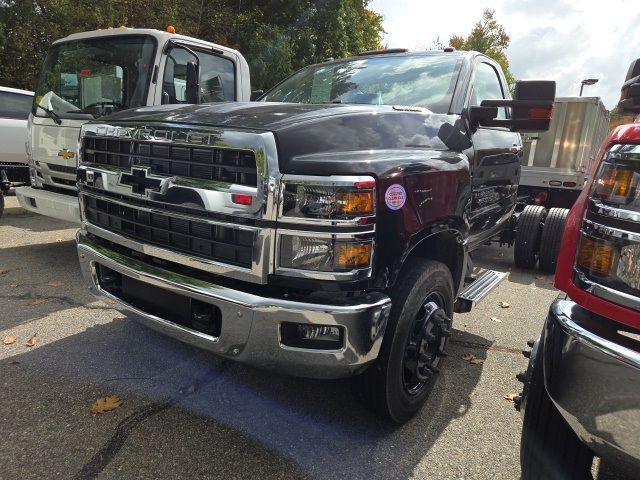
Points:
(92, 74)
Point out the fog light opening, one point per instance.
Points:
(317, 337)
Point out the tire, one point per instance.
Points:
(527, 243)
(398, 384)
(549, 448)
(552, 238)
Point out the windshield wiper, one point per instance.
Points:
(52, 114)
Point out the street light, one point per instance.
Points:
(587, 81)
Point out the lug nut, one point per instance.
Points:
(530, 343)
(526, 353)
(521, 377)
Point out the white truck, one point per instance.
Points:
(92, 74)
(15, 105)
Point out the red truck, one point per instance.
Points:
(581, 394)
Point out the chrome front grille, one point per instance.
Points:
(232, 166)
(168, 191)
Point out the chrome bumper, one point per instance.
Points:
(592, 374)
(250, 330)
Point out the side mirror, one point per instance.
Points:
(256, 94)
(531, 108)
(630, 92)
(193, 85)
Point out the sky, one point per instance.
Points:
(556, 40)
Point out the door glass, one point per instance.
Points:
(486, 86)
(15, 105)
(217, 77)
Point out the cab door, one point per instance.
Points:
(495, 166)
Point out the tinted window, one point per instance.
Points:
(15, 105)
(96, 76)
(217, 77)
(486, 86)
(423, 80)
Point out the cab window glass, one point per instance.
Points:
(486, 86)
(217, 78)
(15, 105)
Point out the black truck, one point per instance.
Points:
(323, 231)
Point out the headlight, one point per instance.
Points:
(323, 254)
(618, 180)
(330, 200)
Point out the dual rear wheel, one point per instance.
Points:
(539, 236)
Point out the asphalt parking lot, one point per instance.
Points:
(188, 414)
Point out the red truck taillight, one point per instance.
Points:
(599, 264)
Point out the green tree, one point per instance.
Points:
(276, 36)
(490, 38)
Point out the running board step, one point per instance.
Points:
(477, 290)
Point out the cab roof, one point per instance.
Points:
(161, 36)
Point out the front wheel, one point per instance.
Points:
(399, 382)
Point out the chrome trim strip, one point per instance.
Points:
(616, 233)
(612, 212)
(584, 336)
(606, 293)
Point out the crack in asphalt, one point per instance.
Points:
(487, 346)
(108, 452)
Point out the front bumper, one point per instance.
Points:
(592, 374)
(250, 323)
(50, 204)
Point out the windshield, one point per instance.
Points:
(95, 77)
(426, 80)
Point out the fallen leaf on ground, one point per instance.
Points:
(8, 340)
(472, 359)
(37, 301)
(511, 397)
(32, 341)
(55, 283)
(497, 320)
(3, 271)
(58, 240)
(504, 305)
(13, 285)
(105, 404)
(188, 390)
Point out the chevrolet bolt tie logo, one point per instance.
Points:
(140, 181)
(66, 154)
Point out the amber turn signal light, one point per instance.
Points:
(350, 255)
(596, 257)
(355, 203)
(614, 182)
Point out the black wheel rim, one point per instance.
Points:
(423, 350)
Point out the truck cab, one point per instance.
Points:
(88, 75)
(323, 231)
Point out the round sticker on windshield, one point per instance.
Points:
(395, 197)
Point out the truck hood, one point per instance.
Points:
(318, 133)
